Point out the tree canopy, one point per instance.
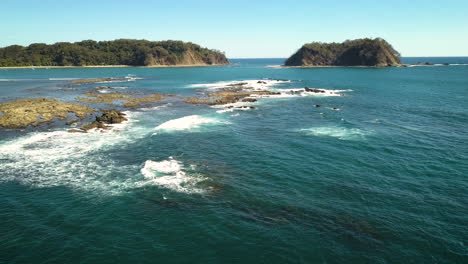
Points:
(116, 52)
(358, 52)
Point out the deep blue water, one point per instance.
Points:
(382, 180)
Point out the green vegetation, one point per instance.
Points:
(116, 52)
(359, 52)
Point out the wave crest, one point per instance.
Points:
(171, 174)
(187, 123)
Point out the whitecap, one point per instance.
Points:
(188, 123)
(171, 174)
(257, 85)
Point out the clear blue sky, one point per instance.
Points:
(241, 28)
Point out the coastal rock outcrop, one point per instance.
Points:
(360, 52)
(128, 100)
(108, 117)
(35, 111)
(228, 96)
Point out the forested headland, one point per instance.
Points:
(116, 52)
(358, 52)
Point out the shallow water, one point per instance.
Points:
(381, 178)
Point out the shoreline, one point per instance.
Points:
(113, 66)
(332, 66)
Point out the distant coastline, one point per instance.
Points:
(116, 53)
(114, 66)
(328, 66)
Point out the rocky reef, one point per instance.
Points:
(128, 100)
(360, 52)
(107, 118)
(232, 94)
(35, 111)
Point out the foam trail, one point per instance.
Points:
(336, 132)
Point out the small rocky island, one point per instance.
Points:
(360, 52)
(121, 52)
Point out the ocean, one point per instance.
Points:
(374, 170)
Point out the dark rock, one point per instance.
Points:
(108, 117)
(93, 125)
(111, 117)
(71, 122)
(249, 100)
(76, 131)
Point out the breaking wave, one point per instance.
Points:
(171, 174)
(187, 123)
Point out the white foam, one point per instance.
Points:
(60, 158)
(337, 132)
(298, 92)
(120, 79)
(187, 123)
(170, 174)
(155, 107)
(257, 85)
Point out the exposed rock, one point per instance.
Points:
(127, 99)
(226, 96)
(71, 122)
(93, 125)
(76, 131)
(423, 64)
(249, 100)
(34, 111)
(94, 80)
(238, 84)
(102, 122)
(111, 117)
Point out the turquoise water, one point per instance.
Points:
(381, 180)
